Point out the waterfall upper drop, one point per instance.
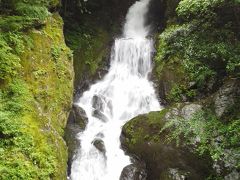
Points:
(124, 93)
(135, 20)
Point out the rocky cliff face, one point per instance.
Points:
(36, 97)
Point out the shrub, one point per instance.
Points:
(32, 11)
(189, 9)
(9, 62)
(208, 135)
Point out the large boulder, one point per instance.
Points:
(164, 160)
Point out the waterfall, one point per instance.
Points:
(124, 93)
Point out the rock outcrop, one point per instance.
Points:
(142, 136)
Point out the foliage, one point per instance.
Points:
(209, 135)
(205, 40)
(27, 144)
(89, 44)
(32, 11)
(198, 8)
(178, 91)
(29, 160)
(205, 51)
(9, 61)
(12, 4)
(20, 15)
(56, 52)
(15, 23)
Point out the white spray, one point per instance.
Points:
(124, 93)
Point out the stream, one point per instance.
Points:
(122, 94)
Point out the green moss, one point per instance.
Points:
(144, 128)
(92, 50)
(90, 45)
(35, 100)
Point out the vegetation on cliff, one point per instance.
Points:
(197, 62)
(204, 40)
(35, 90)
(197, 69)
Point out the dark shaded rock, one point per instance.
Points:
(84, 76)
(99, 144)
(77, 122)
(227, 97)
(100, 115)
(141, 137)
(134, 172)
(70, 137)
(167, 75)
(97, 103)
(160, 13)
(79, 116)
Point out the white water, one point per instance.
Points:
(124, 93)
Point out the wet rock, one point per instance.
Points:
(71, 139)
(100, 135)
(77, 122)
(133, 172)
(79, 116)
(99, 144)
(97, 103)
(100, 115)
(227, 97)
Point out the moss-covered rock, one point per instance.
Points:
(172, 81)
(143, 137)
(91, 59)
(36, 103)
(173, 140)
(48, 71)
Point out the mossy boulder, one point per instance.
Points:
(164, 160)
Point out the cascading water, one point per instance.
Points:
(124, 93)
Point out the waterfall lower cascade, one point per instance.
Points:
(124, 93)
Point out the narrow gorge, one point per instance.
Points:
(128, 90)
